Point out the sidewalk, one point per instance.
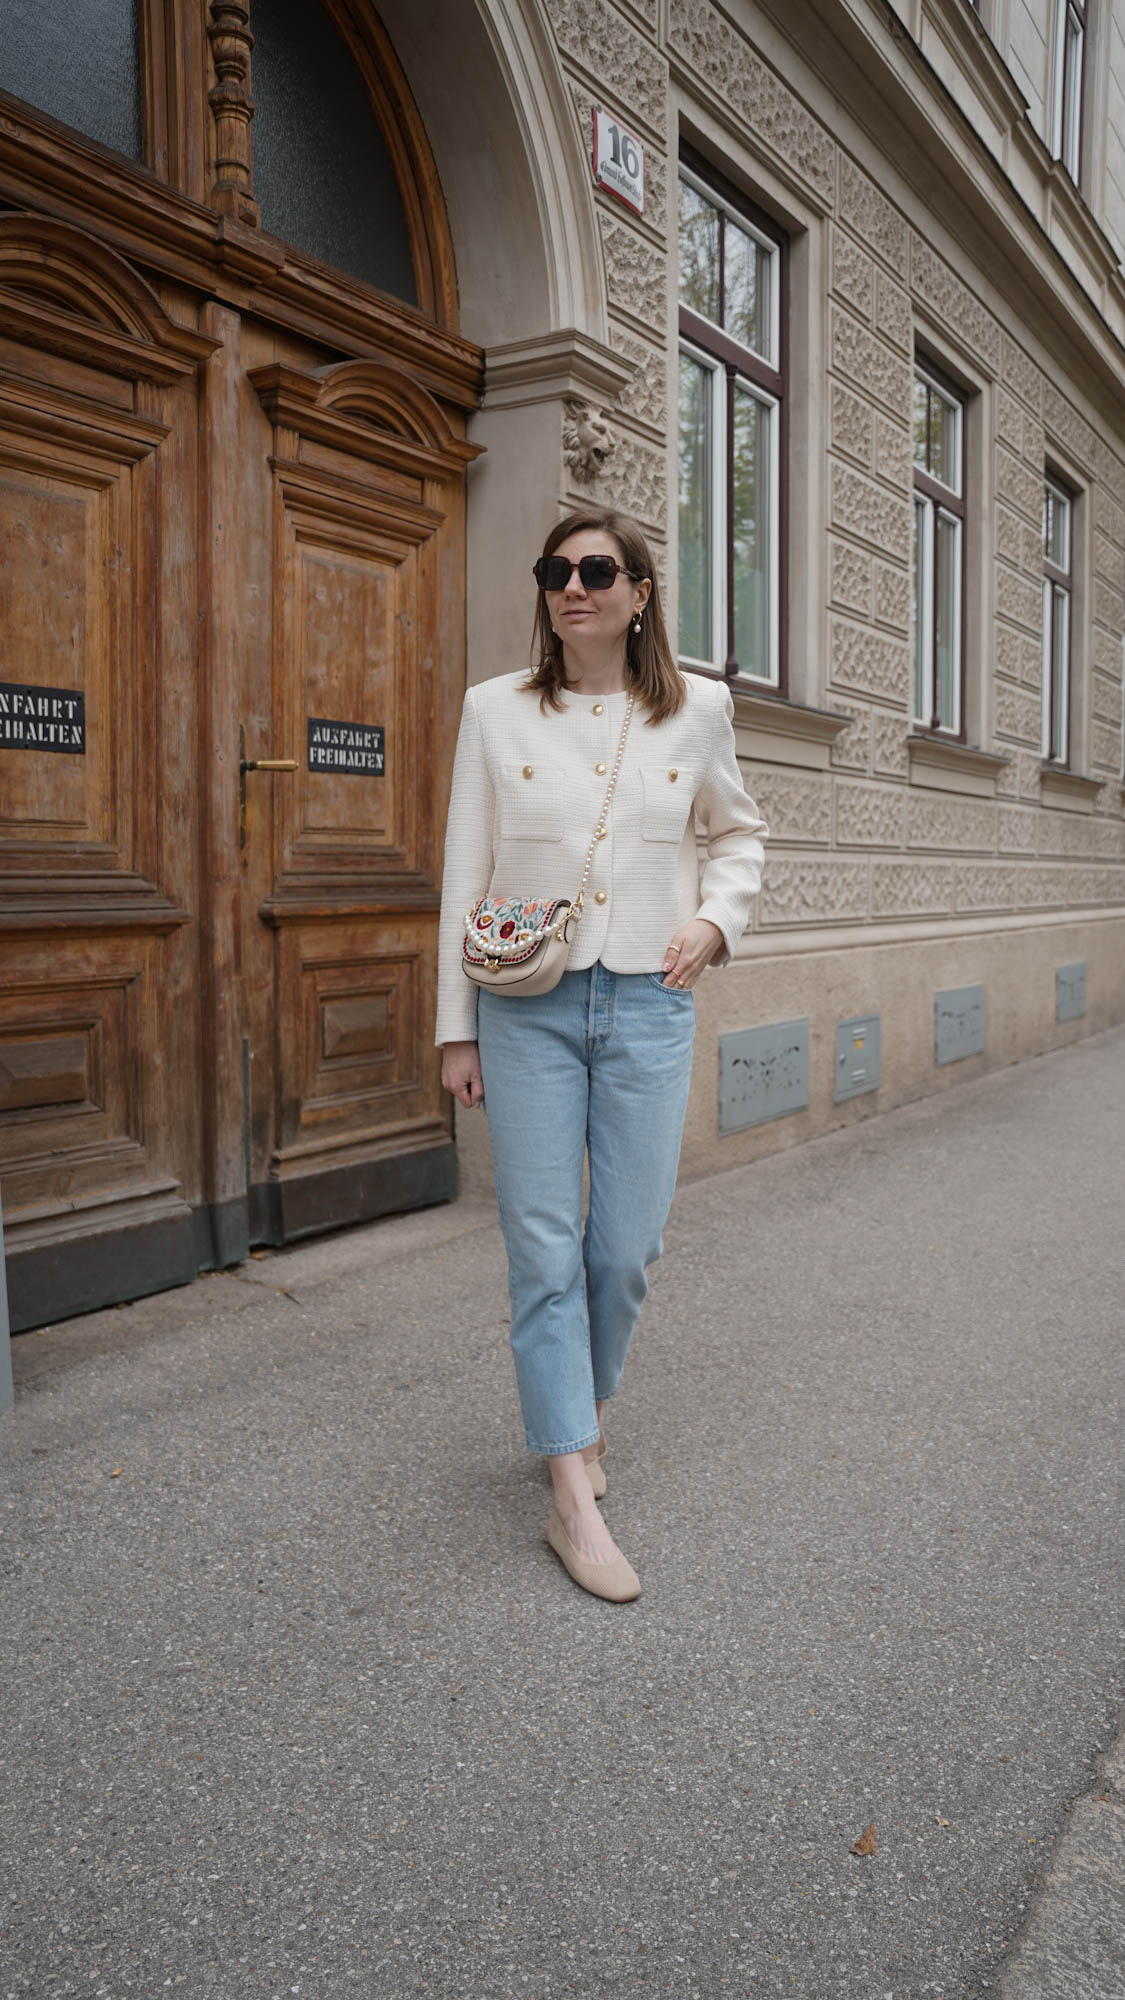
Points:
(298, 1701)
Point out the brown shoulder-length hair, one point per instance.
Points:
(652, 670)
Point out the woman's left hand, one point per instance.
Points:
(690, 950)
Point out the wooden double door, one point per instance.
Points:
(232, 617)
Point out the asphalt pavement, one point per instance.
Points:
(298, 1701)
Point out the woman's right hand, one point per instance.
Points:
(461, 1073)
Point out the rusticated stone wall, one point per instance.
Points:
(611, 57)
(862, 842)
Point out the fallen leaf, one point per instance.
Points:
(940, 1820)
(116, 1473)
(866, 1842)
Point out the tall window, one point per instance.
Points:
(79, 60)
(1070, 63)
(939, 525)
(1058, 573)
(730, 433)
(322, 171)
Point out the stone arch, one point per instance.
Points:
(531, 280)
(494, 101)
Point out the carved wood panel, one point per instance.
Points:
(210, 520)
(367, 478)
(97, 416)
(353, 593)
(75, 590)
(356, 1006)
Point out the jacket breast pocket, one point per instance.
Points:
(532, 802)
(668, 794)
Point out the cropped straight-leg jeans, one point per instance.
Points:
(600, 1064)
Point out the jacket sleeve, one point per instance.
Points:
(469, 862)
(732, 874)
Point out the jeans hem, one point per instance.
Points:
(557, 1450)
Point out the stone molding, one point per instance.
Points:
(713, 54)
(551, 366)
(772, 730)
(527, 55)
(955, 308)
(1067, 790)
(603, 44)
(637, 272)
(953, 767)
(924, 929)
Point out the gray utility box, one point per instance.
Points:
(1070, 991)
(857, 1056)
(763, 1074)
(958, 1023)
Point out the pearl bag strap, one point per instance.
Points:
(600, 829)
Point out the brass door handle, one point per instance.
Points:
(245, 764)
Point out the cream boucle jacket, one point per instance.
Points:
(526, 796)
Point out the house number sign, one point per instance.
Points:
(346, 748)
(39, 718)
(619, 161)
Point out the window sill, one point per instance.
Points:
(954, 767)
(1067, 790)
(771, 730)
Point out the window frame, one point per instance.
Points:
(733, 366)
(1066, 139)
(1058, 583)
(939, 499)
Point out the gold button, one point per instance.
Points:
(673, 774)
(598, 708)
(600, 769)
(527, 771)
(599, 895)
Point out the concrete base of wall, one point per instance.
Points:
(827, 982)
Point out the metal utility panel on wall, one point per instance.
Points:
(857, 1056)
(763, 1074)
(1070, 991)
(958, 1023)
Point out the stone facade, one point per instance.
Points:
(881, 841)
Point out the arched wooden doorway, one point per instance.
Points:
(232, 468)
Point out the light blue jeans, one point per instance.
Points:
(601, 1064)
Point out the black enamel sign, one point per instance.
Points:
(38, 718)
(346, 748)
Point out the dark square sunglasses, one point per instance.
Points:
(596, 572)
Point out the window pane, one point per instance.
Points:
(920, 621)
(322, 172)
(1072, 96)
(1060, 670)
(746, 287)
(699, 254)
(947, 620)
(79, 60)
(1057, 534)
(919, 423)
(695, 509)
(752, 536)
(944, 441)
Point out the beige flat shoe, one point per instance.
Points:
(595, 1467)
(617, 1580)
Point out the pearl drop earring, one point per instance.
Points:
(636, 621)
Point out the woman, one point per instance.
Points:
(601, 1063)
